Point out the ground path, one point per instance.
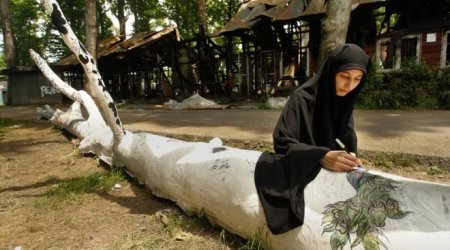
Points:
(414, 132)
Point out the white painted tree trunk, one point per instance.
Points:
(364, 209)
(220, 186)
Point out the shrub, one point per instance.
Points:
(414, 86)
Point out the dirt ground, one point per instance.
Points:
(36, 157)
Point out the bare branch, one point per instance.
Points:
(54, 79)
(104, 100)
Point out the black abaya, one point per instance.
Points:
(306, 130)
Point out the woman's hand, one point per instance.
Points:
(340, 161)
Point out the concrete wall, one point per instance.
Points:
(29, 86)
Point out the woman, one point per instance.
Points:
(317, 113)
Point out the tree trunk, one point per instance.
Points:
(334, 26)
(90, 22)
(8, 35)
(359, 209)
(202, 16)
(122, 18)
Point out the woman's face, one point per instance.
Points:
(347, 80)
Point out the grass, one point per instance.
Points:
(138, 240)
(254, 242)
(9, 202)
(73, 189)
(435, 170)
(7, 122)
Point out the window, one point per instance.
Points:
(391, 53)
(385, 53)
(409, 49)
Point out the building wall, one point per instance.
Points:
(431, 48)
(31, 87)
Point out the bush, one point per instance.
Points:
(442, 90)
(414, 86)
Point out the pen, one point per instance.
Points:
(342, 145)
(348, 152)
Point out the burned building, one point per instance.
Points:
(280, 38)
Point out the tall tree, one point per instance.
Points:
(334, 26)
(122, 18)
(181, 12)
(90, 20)
(148, 15)
(202, 16)
(118, 8)
(8, 35)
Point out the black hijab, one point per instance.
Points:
(306, 130)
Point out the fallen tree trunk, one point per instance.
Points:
(358, 210)
(217, 182)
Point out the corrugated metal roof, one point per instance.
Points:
(253, 3)
(287, 11)
(244, 19)
(117, 45)
(278, 10)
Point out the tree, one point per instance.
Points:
(334, 26)
(8, 35)
(182, 13)
(203, 24)
(95, 20)
(90, 19)
(119, 9)
(148, 15)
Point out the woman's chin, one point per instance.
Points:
(342, 93)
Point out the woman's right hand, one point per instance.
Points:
(340, 161)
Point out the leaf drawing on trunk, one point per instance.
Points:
(365, 213)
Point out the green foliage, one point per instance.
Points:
(33, 29)
(442, 90)
(414, 86)
(75, 16)
(219, 12)
(28, 29)
(184, 14)
(2, 63)
(148, 15)
(372, 93)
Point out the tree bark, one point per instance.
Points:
(334, 26)
(122, 18)
(8, 35)
(90, 22)
(202, 17)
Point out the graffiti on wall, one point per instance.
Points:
(48, 90)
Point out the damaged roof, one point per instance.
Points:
(252, 11)
(116, 45)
